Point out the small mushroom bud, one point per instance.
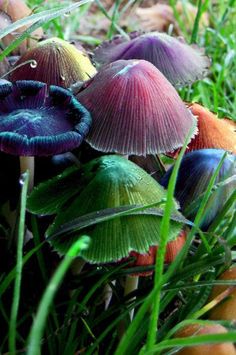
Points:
(226, 310)
(206, 349)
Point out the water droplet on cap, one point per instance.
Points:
(33, 64)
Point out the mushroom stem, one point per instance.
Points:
(77, 266)
(27, 163)
(108, 294)
(131, 284)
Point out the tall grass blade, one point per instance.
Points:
(19, 265)
(165, 226)
(196, 22)
(200, 215)
(47, 298)
(40, 21)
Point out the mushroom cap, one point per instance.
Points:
(12, 11)
(64, 62)
(226, 310)
(172, 249)
(213, 132)
(194, 175)
(135, 110)
(226, 348)
(180, 63)
(40, 120)
(105, 183)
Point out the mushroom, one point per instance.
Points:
(57, 62)
(226, 348)
(172, 249)
(226, 310)
(194, 175)
(12, 11)
(104, 183)
(179, 62)
(135, 110)
(213, 132)
(36, 120)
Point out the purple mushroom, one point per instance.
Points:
(181, 63)
(135, 110)
(37, 120)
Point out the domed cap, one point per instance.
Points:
(135, 110)
(57, 62)
(40, 120)
(106, 182)
(195, 172)
(180, 63)
(213, 132)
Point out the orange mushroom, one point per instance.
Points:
(206, 349)
(172, 250)
(226, 310)
(213, 132)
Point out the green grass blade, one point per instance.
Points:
(165, 226)
(105, 13)
(47, 298)
(180, 257)
(41, 21)
(19, 265)
(196, 22)
(136, 323)
(43, 15)
(196, 340)
(11, 275)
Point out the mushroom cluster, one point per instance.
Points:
(124, 107)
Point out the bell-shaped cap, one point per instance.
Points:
(194, 175)
(135, 110)
(180, 63)
(55, 62)
(105, 183)
(213, 132)
(40, 120)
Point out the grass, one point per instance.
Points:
(76, 322)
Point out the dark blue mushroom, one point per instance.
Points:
(40, 120)
(195, 172)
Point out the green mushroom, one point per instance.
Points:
(97, 189)
(105, 183)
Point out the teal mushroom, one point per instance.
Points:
(105, 183)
